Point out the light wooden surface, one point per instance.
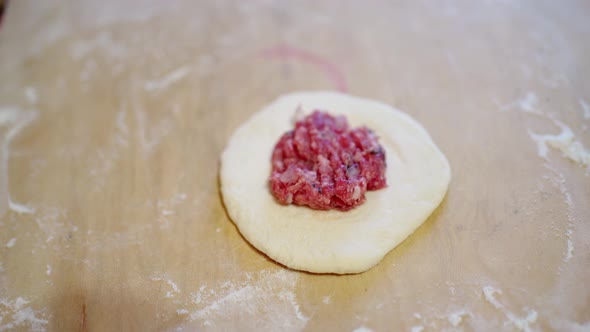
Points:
(113, 115)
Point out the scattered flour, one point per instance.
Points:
(182, 312)
(565, 142)
(558, 180)
(362, 329)
(10, 243)
(269, 295)
(166, 208)
(102, 42)
(51, 222)
(327, 300)
(174, 288)
(22, 316)
(418, 328)
(48, 271)
(106, 157)
(121, 137)
(521, 323)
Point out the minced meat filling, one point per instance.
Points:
(325, 165)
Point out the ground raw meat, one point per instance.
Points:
(325, 165)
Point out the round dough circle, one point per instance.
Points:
(418, 176)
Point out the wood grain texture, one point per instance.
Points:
(113, 115)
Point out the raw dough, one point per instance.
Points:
(418, 176)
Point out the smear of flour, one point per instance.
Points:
(269, 296)
(417, 328)
(167, 80)
(585, 109)
(456, 317)
(448, 320)
(362, 329)
(48, 270)
(31, 94)
(20, 208)
(570, 246)
(89, 69)
(167, 212)
(564, 142)
(15, 314)
(527, 104)
(571, 326)
(150, 137)
(521, 323)
(17, 120)
(327, 300)
(10, 243)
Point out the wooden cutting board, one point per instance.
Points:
(113, 115)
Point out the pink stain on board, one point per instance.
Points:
(284, 52)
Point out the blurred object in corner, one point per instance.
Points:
(2, 5)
